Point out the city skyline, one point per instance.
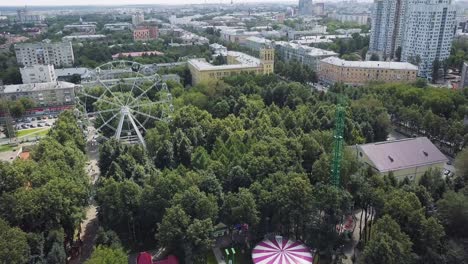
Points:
(33, 3)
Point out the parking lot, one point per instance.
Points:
(34, 122)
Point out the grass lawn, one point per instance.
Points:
(40, 131)
(7, 147)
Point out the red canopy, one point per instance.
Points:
(144, 258)
(171, 259)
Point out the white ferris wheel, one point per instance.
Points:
(124, 100)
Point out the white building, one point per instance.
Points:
(430, 26)
(83, 37)
(306, 8)
(422, 29)
(237, 35)
(86, 28)
(137, 19)
(46, 52)
(360, 19)
(38, 73)
(118, 26)
(303, 54)
(387, 28)
(44, 94)
(256, 43)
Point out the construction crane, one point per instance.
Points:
(338, 144)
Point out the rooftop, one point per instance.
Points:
(259, 40)
(137, 54)
(309, 50)
(83, 37)
(30, 87)
(371, 64)
(404, 153)
(245, 61)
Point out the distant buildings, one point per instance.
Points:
(360, 19)
(306, 55)
(138, 19)
(256, 43)
(118, 26)
(420, 31)
(405, 158)
(335, 70)
(82, 28)
(43, 94)
(123, 55)
(83, 37)
(306, 8)
(145, 33)
(319, 9)
(59, 54)
(238, 63)
(237, 35)
(25, 16)
(38, 73)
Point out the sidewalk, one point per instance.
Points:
(218, 255)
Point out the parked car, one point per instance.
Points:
(33, 125)
(47, 124)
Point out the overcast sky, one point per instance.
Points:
(121, 2)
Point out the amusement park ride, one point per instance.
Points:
(132, 96)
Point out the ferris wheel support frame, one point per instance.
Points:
(126, 109)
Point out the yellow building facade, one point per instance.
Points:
(237, 63)
(335, 70)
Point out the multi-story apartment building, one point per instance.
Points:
(38, 74)
(257, 43)
(138, 19)
(57, 53)
(319, 9)
(464, 76)
(145, 33)
(118, 26)
(335, 70)
(238, 63)
(44, 94)
(306, 8)
(23, 15)
(387, 27)
(303, 54)
(360, 19)
(236, 35)
(418, 31)
(83, 28)
(429, 31)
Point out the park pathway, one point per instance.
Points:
(90, 225)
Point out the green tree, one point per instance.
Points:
(106, 255)
(57, 254)
(240, 208)
(14, 247)
(389, 245)
(453, 213)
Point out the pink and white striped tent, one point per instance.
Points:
(281, 250)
